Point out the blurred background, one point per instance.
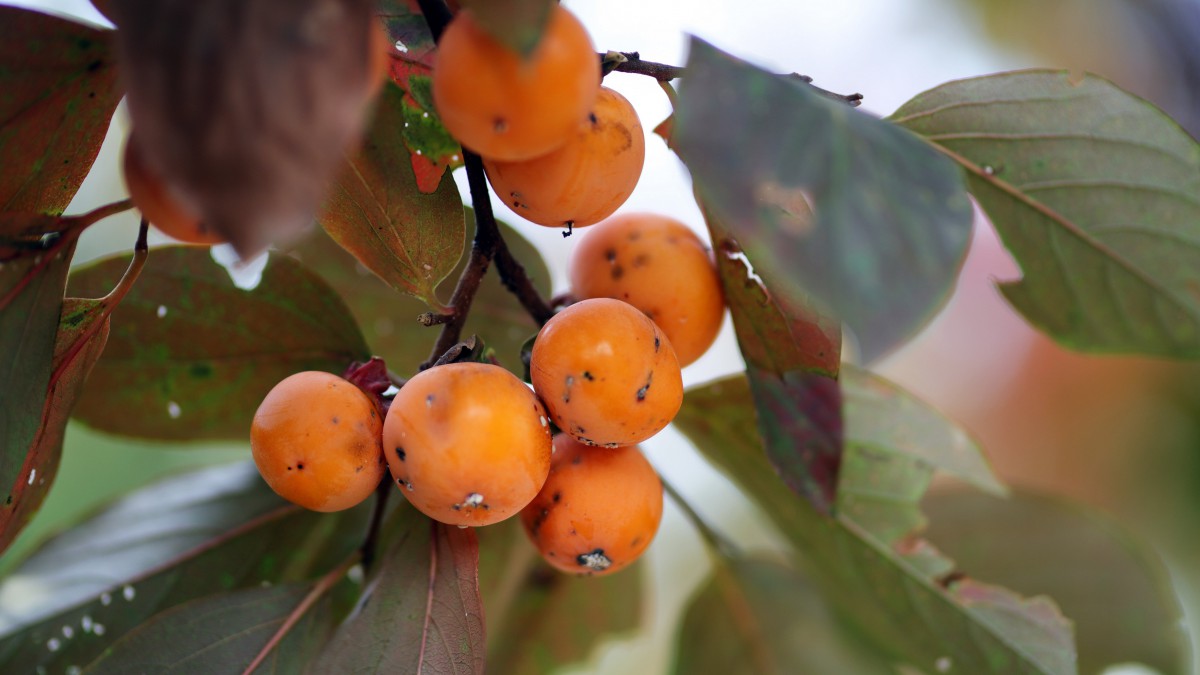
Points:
(1122, 434)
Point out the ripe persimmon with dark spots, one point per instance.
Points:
(315, 439)
(467, 443)
(585, 180)
(599, 509)
(658, 265)
(509, 107)
(607, 374)
(152, 196)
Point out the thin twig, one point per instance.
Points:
(517, 281)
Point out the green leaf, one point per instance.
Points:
(1095, 193)
(899, 593)
(540, 619)
(515, 23)
(59, 84)
(377, 212)
(1036, 544)
(220, 634)
(892, 219)
(191, 356)
(281, 545)
(421, 610)
(755, 617)
(389, 320)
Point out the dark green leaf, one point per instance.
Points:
(59, 85)
(281, 545)
(377, 212)
(755, 617)
(516, 23)
(390, 319)
(892, 217)
(191, 356)
(1114, 587)
(421, 611)
(220, 634)
(1095, 193)
(540, 619)
(886, 588)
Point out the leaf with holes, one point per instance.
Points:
(60, 90)
(540, 619)
(899, 593)
(420, 611)
(218, 540)
(892, 217)
(191, 356)
(1095, 193)
(376, 211)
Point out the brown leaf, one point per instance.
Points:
(245, 107)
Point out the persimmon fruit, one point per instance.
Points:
(468, 443)
(607, 374)
(585, 180)
(316, 441)
(152, 196)
(508, 107)
(599, 509)
(660, 266)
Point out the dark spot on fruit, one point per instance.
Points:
(400, 454)
(641, 393)
(610, 255)
(635, 235)
(536, 525)
(456, 507)
(588, 376)
(336, 420)
(578, 459)
(595, 561)
(300, 466)
(486, 507)
(578, 429)
(358, 469)
(429, 400)
(636, 540)
(657, 343)
(499, 125)
(618, 272)
(557, 497)
(640, 260)
(592, 118)
(570, 382)
(289, 468)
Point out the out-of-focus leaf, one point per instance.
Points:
(541, 620)
(1094, 192)
(515, 23)
(898, 593)
(376, 211)
(282, 545)
(755, 617)
(792, 356)
(59, 85)
(389, 319)
(221, 634)
(420, 611)
(892, 218)
(246, 107)
(1113, 586)
(191, 356)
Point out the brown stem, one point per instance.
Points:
(371, 542)
(517, 281)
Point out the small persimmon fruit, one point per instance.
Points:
(316, 441)
(599, 509)
(505, 106)
(585, 180)
(468, 443)
(607, 374)
(153, 198)
(658, 265)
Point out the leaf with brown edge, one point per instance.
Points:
(60, 90)
(900, 594)
(376, 211)
(420, 611)
(517, 24)
(246, 107)
(194, 355)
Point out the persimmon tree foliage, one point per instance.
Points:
(265, 115)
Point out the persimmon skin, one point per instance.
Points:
(468, 443)
(506, 107)
(316, 441)
(585, 180)
(153, 198)
(660, 266)
(598, 511)
(607, 374)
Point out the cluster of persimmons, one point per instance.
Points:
(470, 444)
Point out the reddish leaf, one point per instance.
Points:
(420, 612)
(59, 93)
(376, 211)
(246, 106)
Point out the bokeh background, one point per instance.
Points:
(1122, 434)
